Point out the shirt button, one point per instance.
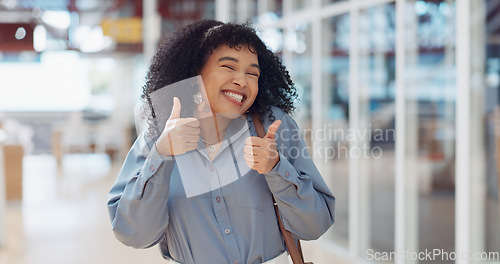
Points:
(152, 168)
(217, 199)
(212, 168)
(227, 231)
(287, 174)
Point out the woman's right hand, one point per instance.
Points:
(180, 134)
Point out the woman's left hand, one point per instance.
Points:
(261, 153)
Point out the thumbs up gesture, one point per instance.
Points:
(261, 153)
(180, 134)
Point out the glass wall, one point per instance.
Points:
(487, 102)
(335, 96)
(244, 9)
(332, 1)
(362, 62)
(301, 4)
(430, 121)
(376, 84)
(271, 6)
(297, 47)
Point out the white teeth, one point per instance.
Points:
(237, 97)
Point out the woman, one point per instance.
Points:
(230, 218)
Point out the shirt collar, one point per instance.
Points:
(237, 128)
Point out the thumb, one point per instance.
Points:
(271, 132)
(176, 109)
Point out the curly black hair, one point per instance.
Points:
(183, 54)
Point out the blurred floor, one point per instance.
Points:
(63, 217)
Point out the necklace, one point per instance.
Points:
(211, 148)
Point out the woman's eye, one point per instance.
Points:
(229, 67)
(253, 74)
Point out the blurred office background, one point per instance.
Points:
(425, 72)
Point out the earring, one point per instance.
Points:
(202, 105)
(197, 98)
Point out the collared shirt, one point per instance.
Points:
(220, 211)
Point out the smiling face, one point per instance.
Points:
(231, 80)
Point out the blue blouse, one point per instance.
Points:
(220, 211)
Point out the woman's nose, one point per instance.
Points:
(240, 79)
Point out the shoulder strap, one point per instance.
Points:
(294, 250)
